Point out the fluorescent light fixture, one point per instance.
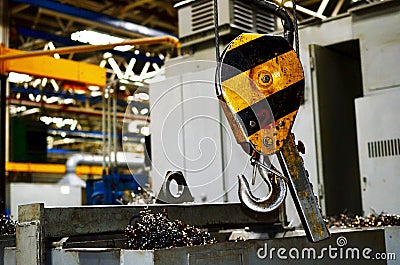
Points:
(129, 69)
(52, 100)
(304, 10)
(18, 78)
(95, 93)
(52, 47)
(69, 101)
(103, 63)
(96, 38)
(115, 67)
(144, 111)
(107, 55)
(55, 85)
(79, 91)
(30, 111)
(73, 125)
(142, 96)
(156, 67)
(135, 111)
(137, 83)
(36, 82)
(93, 88)
(44, 82)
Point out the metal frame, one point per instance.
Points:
(37, 34)
(95, 18)
(38, 224)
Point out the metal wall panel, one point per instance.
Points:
(166, 119)
(50, 194)
(378, 30)
(377, 123)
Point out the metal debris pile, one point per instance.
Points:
(372, 220)
(7, 226)
(155, 231)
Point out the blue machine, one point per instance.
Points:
(110, 189)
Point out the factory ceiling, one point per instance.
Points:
(31, 20)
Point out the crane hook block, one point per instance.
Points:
(260, 85)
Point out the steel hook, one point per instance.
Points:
(276, 195)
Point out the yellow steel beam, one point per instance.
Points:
(42, 64)
(91, 48)
(47, 66)
(51, 168)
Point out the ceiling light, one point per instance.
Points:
(18, 78)
(55, 85)
(44, 82)
(138, 83)
(142, 96)
(103, 63)
(69, 101)
(52, 100)
(95, 94)
(97, 38)
(93, 88)
(144, 111)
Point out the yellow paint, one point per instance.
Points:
(60, 69)
(242, 39)
(50, 168)
(285, 70)
(240, 92)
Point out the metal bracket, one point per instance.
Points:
(183, 195)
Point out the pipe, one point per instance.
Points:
(116, 87)
(66, 108)
(103, 129)
(71, 179)
(91, 48)
(282, 14)
(109, 127)
(65, 41)
(3, 88)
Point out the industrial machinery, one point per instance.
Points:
(260, 85)
(93, 235)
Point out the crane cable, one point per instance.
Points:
(296, 29)
(216, 30)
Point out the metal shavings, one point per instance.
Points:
(7, 226)
(155, 231)
(372, 220)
